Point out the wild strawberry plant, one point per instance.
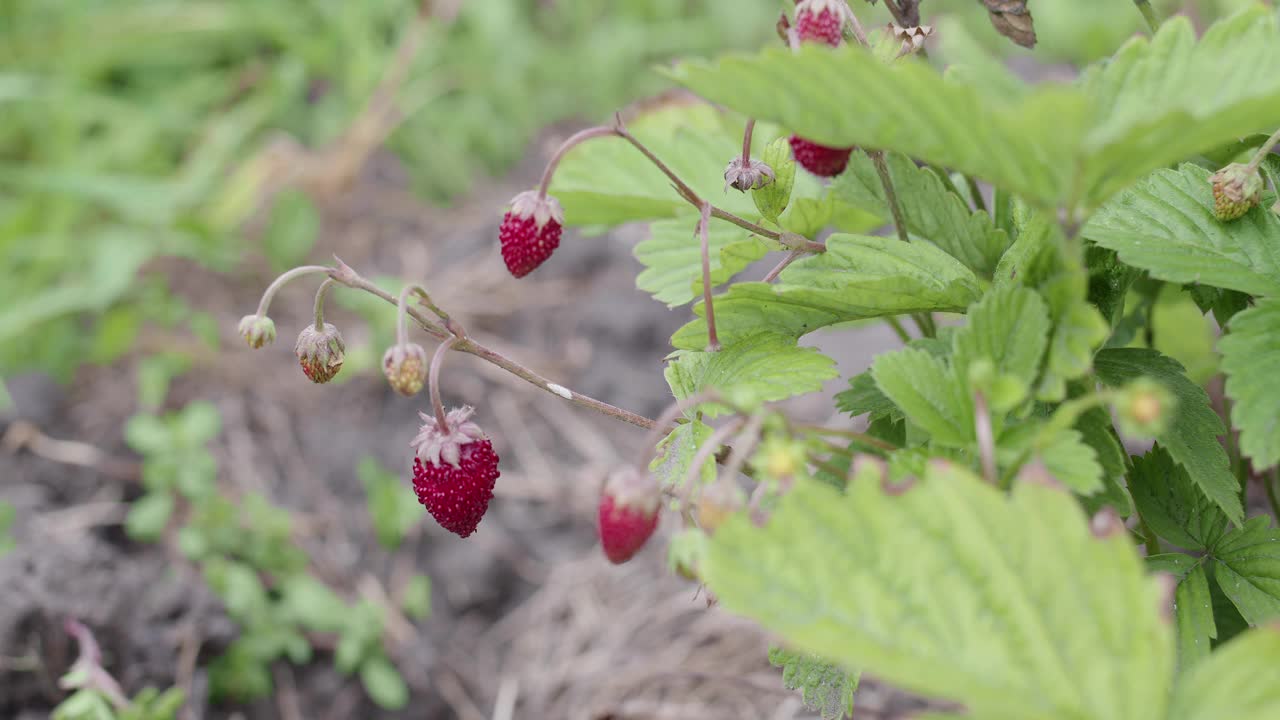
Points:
(1045, 515)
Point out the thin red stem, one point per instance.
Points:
(574, 140)
(746, 141)
(433, 382)
(713, 342)
(265, 303)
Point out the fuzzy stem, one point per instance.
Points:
(662, 424)
(575, 139)
(744, 223)
(689, 194)
(433, 382)
(746, 141)
(900, 331)
(321, 292)
(90, 661)
(345, 275)
(265, 303)
(713, 342)
(1148, 14)
(1264, 151)
(986, 438)
(858, 33)
(890, 193)
(777, 270)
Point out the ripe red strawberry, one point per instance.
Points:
(820, 21)
(454, 471)
(628, 513)
(820, 160)
(530, 232)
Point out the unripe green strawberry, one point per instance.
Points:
(1237, 188)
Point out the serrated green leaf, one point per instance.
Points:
(1192, 435)
(675, 455)
(929, 209)
(1069, 459)
(1192, 606)
(1248, 569)
(1010, 328)
(1236, 682)
(856, 278)
(1166, 226)
(755, 369)
(1155, 103)
(672, 257)
(1008, 605)
(825, 688)
(1078, 330)
(1172, 505)
(1251, 361)
(863, 396)
(1095, 430)
(772, 199)
(928, 394)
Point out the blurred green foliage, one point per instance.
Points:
(125, 126)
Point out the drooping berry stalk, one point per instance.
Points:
(321, 293)
(347, 276)
(574, 140)
(1264, 151)
(433, 382)
(890, 193)
(269, 294)
(713, 342)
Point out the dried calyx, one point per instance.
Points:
(436, 444)
(320, 352)
(745, 174)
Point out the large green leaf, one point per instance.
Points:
(1251, 360)
(1192, 436)
(929, 209)
(928, 394)
(672, 256)
(1235, 683)
(1157, 102)
(758, 368)
(1010, 328)
(1172, 505)
(1165, 225)
(857, 277)
(1248, 570)
(1008, 605)
(1192, 605)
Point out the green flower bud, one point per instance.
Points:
(257, 330)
